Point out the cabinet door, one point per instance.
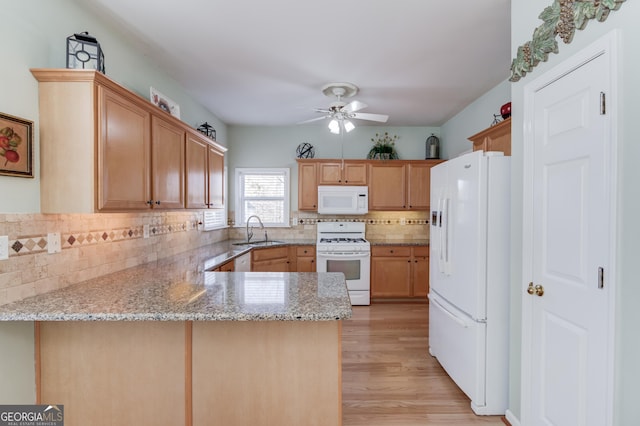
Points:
(330, 173)
(197, 175)
(387, 186)
(390, 277)
(124, 178)
(420, 272)
(390, 271)
(418, 186)
(355, 173)
(305, 259)
(216, 178)
(307, 187)
(167, 164)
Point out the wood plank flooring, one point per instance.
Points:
(388, 376)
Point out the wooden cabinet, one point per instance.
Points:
(124, 154)
(387, 186)
(307, 185)
(226, 267)
(197, 174)
(104, 148)
(420, 272)
(216, 178)
(418, 186)
(271, 259)
(342, 173)
(400, 185)
(167, 164)
(399, 272)
(495, 138)
(305, 259)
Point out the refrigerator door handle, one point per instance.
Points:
(447, 312)
(445, 237)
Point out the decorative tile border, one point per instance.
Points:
(38, 244)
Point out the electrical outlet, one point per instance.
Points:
(53, 242)
(403, 221)
(4, 247)
(145, 231)
(187, 226)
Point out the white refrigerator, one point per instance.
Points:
(469, 276)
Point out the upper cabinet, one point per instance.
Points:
(205, 173)
(495, 138)
(307, 185)
(104, 148)
(400, 184)
(393, 184)
(342, 172)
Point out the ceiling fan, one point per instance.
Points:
(341, 112)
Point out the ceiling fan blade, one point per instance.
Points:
(314, 119)
(372, 117)
(326, 111)
(354, 106)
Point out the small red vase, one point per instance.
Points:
(505, 110)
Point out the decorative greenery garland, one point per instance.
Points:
(562, 18)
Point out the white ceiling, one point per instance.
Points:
(264, 62)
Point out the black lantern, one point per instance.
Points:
(84, 52)
(207, 129)
(433, 147)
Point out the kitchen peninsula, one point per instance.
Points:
(170, 343)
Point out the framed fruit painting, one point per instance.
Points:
(16, 146)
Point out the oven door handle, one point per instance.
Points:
(335, 256)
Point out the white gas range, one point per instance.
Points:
(342, 247)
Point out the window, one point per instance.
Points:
(214, 219)
(264, 193)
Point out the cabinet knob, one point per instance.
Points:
(158, 202)
(313, 261)
(150, 202)
(390, 251)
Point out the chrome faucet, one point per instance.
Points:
(250, 230)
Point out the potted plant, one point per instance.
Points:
(383, 147)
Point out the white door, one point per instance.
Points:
(569, 195)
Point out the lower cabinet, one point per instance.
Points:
(399, 272)
(226, 267)
(305, 259)
(271, 259)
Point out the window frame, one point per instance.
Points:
(239, 194)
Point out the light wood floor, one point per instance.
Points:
(388, 376)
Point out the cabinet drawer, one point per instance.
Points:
(421, 251)
(305, 251)
(270, 253)
(391, 251)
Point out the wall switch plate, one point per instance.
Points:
(53, 242)
(4, 247)
(145, 231)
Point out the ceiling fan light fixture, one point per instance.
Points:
(348, 126)
(334, 126)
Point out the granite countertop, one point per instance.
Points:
(180, 289)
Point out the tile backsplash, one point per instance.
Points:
(93, 245)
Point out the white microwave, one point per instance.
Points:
(343, 199)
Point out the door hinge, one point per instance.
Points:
(600, 277)
(603, 103)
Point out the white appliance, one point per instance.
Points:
(469, 276)
(341, 247)
(333, 199)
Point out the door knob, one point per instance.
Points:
(538, 290)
